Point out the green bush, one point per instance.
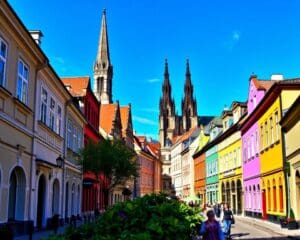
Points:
(152, 217)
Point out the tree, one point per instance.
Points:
(112, 158)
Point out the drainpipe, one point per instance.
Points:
(284, 164)
(39, 68)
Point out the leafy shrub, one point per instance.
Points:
(152, 217)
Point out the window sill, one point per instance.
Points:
(43, 125)
(23, 106)
(5, 92)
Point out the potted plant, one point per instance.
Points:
(291, 221)
(283, 222)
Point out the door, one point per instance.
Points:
(41, 202)
(264, 206)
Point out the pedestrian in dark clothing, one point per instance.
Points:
(211, 228)
(227, 220)
(217, 210)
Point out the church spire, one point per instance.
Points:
(103, 70)
(188, 82)
(103, 47)
(189, 105)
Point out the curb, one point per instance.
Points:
(253, 223)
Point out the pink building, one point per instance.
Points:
(250, 145)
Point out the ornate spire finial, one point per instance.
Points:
(188, 67)
(166, 67)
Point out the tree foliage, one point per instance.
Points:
(112, 158)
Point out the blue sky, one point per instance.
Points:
(225, 41)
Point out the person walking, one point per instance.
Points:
(211, 228)
(228, 219)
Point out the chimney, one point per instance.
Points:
(37, 36)
(277, 77)
(68, 87)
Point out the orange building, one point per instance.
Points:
(200, 176)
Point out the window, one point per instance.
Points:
(256, 142)
(261, 137)
(266, 134)
(277, 126)
(3, 60)
(74, 138)
(249, 149)
(271, 131)
(22, 82)
(254, 101)
(52, 113)
(58, 120)
(69, 134)
(44, 99)
(252, 145)
(79, 139)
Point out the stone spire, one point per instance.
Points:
(167, 115)
(189, 105)
(103, 70)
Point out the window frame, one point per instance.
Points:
(4, 59)
(23, 80)
(44, 106)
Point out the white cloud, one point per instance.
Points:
(232, 40)
(59, 60)
(153, 80)
(236, 36)
(144, 120)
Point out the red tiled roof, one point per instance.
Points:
(76, 85)
(154, 147)
(263, 84)
(107, 117)
(184, 136)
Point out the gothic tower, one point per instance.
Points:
(103, 69)
(167, 117)
(189, 105)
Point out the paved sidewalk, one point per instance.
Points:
(268, 226)
(40, 234)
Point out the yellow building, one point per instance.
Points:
(291, 128)
(230, 163)
(281, 95)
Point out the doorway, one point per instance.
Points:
(263, 205)
(17, 193)
(41, 202)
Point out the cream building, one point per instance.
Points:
(21, 61)
(291, 128)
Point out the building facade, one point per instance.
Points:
(250, 154)
(20, 61)
(291, 127)
(230, 158)
(149, 180)
(212, 179)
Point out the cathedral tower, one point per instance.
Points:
(168, 122)
(188, 104)
(103, 69)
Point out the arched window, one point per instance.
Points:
(274, 196)
(269, 195)
(280, 195)
(254, 198)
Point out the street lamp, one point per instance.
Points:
(59, 161)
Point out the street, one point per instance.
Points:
(243, 230)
